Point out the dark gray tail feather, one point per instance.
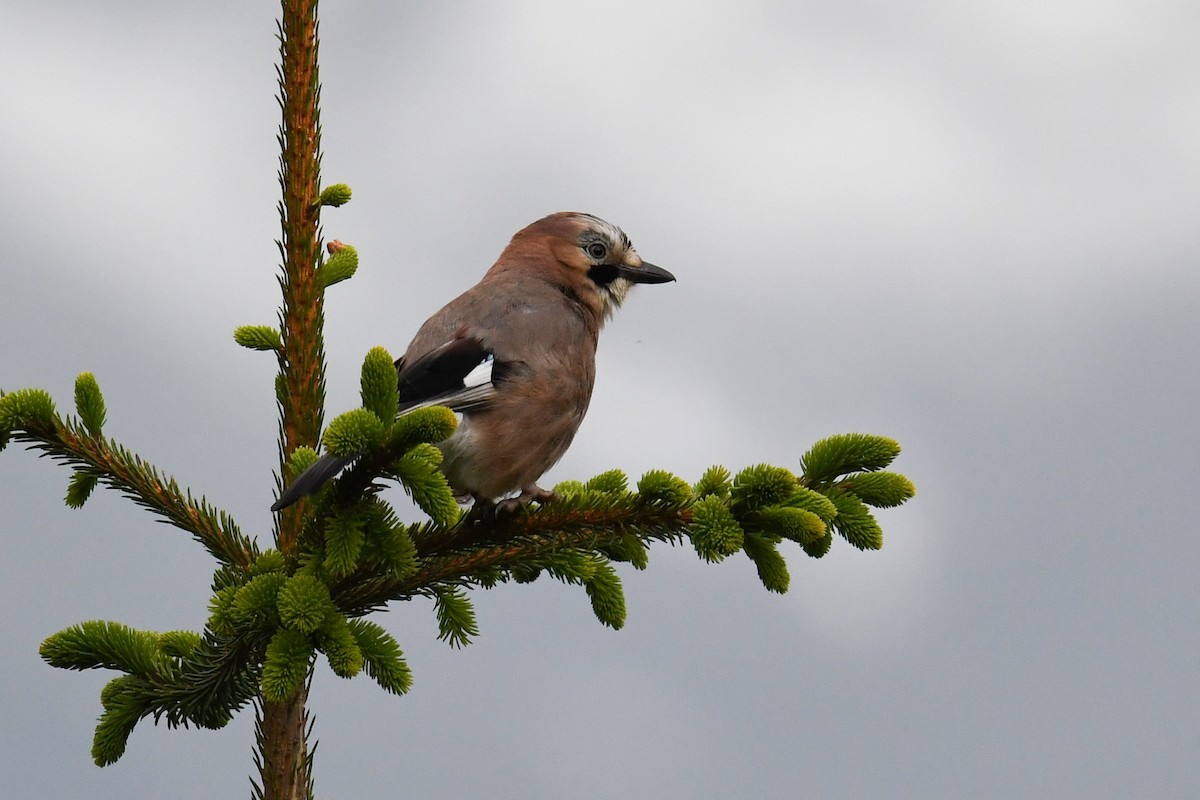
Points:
(323, 470)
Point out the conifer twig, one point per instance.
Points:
(67, 442)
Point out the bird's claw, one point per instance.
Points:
(531, 494)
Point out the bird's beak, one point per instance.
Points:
(644, 273)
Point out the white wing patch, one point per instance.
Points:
(482, 374)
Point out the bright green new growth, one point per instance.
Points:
(820, 547)
(630, 549)
(122, 711)
(222, 616)
(341, 266)
(455, 616)
(570, 489)
(336, 195)
(379, 385)
(762, 486)
(180, 644)
(813, 502)
(603, 588)
(611, 482)
(258, 337)
(83, 482)
(772, 569)
(714, 481)
(851, 452)
(304, 603)
(163, 679)
(881, 489)
(420, 471)
(107, 645)
(286, 664)
(343, 542)
(381, 655)
(662, 487)
(354, 432)
(89, 403)
(25, 408)
(340, 647)
(855, 523)
(715, 532)
(302, 458)
(429, 425)
(271, 613)
(270, 560)
(256, 604)
(797, 524)
(387, 545)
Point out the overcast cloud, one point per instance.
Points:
(969, 226)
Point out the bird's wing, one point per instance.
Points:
(457, 374)
(517, 318)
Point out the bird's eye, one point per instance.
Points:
(597, 250)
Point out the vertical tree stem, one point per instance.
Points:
(302, 399)
(285, 760)
(284, 756)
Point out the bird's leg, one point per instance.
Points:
(536, 494)
(530, 494)
(482, 506)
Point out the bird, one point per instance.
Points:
(515, 355)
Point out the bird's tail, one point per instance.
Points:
(321, 472)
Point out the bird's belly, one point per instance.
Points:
(488, 459)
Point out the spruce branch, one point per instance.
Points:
(754, 512)
(462, 554)
(382, 658)
(336, 195)
(258, 337)
(179, 677)
(98, 458)
(455, 616)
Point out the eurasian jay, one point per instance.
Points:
(516, 355)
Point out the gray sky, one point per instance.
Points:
(971, 227)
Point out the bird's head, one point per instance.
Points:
(592, 257)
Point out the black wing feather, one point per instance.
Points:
(439, 371)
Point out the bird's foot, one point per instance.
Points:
(536, 494)
(530, 494)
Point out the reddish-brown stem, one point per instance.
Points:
(284, 758)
